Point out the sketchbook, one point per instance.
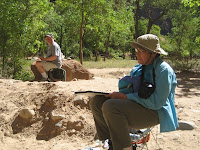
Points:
(90, 93)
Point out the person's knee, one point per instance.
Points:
(96, 102)
(107, 107)
(93, 102)
(38, 63)
(33, 63)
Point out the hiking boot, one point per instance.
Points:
(43, 80)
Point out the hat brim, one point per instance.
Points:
(49, 35)
(138, 45)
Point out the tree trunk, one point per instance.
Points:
(96, 56)
(3, 65)
(137, 2)
(61, 36)
(107, 43)
(152, 21)
(81, 36)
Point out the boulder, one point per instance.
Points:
(27, 114)
(35, 71)
(74, 70)
(184, 125)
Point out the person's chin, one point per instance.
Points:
(140, 61)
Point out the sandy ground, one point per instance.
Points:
(76, 128)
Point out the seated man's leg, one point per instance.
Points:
(44, 67)
(40, 68)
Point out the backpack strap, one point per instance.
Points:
(154, 76)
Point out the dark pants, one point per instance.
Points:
(114, 117)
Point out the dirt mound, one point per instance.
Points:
(47, 115)
(55, 114)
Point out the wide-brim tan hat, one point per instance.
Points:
(149, 42)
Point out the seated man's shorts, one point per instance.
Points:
(48, 65)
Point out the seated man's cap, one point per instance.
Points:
(150, 43)
(49, 35)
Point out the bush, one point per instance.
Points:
(23, 71)
(24, 75)
(185, 64)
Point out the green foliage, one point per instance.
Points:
(24, 75)
(23, 71)
(185, 64)
(20, 31)
(191, 3)
(155, 30)
(108, 28)
(185, 34)
(143, 25)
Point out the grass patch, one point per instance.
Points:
(109, 64)
(185, 64)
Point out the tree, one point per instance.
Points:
(185, 32)
(137, 9)
(157, 9)
(11, 27)
(84, 9)
(153, 11)
(16, 34)
(108, 29)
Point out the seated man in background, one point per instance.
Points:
(53, 58)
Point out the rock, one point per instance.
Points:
(82, 117)
(78, 100)
(35, 71)
(81, 101)
(176, 136)
(46, 119)
(73, 131)
(7, 133)
(9, 82)
(55, 117)
(196, 111)
(49, 130)
(179, 110)
(184, 125)
(58, 125)
(27, 113)
(76, 125)
(73, 70)
(75, 79)
(78, 97)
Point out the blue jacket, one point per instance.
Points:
(162, 99)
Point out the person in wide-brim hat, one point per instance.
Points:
(149, 42)
(145, 98)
